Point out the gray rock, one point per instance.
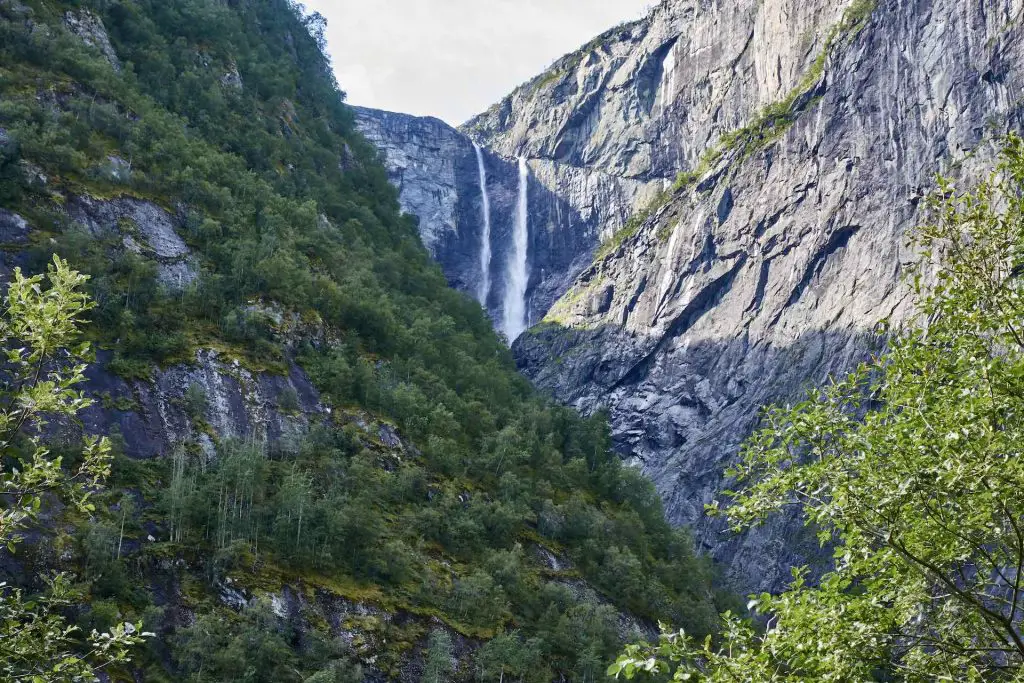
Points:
(389, 437)
(34, 175)
(231, 596)
(14, 230)
(145, 228)
(232, 80)
(152, 419)
(770, 274)
(118, 170)
(421, 158)
(91, 30)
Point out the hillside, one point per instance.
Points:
(794, 144)
(327, 464)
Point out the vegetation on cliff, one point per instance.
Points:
(912, 468)
(43, 368)
(503, 520)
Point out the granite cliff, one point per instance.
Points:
(774, 155)
(434, 167)
(325, 464)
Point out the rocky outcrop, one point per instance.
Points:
(93, 33)
(807, 134)
(203, 403)
(427, 161)
(144, 228)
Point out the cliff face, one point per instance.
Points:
(434, 167)
(809, 134)
(774, 155)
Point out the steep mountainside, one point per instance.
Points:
(794, 142)
(328, 468)
(436, 171)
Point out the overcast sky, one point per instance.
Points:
(454, 58)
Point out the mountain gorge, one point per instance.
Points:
(773, 157)
(326, 466)
(394, 400)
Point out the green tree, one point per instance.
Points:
(912, 466)
(250, 648)
(508, 656)
(43, 365)
(438, 666)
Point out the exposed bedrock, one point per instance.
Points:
(795, 142)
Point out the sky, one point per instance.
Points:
(455, 58)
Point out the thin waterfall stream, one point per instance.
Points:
(518, 274)
(484, 290)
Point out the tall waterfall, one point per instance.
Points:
(668, 78)
(518, 276)
(484, 290)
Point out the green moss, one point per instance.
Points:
(548, 78)
(633, 224)
(562, 310)
(768, 125)
(122, 403)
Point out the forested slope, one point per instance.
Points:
(425, 513)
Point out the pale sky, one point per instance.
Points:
(455, 58)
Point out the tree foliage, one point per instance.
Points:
(42, 366)
(226, 115)
(912, 468)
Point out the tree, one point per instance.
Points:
(912, 466)
(439, 664)
(508, 656)
(42, 366)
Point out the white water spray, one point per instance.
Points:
(668, 79)
(515, 285)
(485, 244)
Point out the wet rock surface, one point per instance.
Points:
(769, 272)
(435, 169)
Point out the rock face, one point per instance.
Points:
(91, 30)
(194, 404)
(144, 228)
(808, 134)
(434, 166)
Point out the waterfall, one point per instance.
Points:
(668, 78)
(518, 276)
(485, 243)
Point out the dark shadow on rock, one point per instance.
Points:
(684, 418)
(154, 417)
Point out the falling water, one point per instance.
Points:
(668, 85)
(485, 243)
(515, 286)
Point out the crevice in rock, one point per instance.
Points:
(705, 300)
(838, 241)
(762, 282)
